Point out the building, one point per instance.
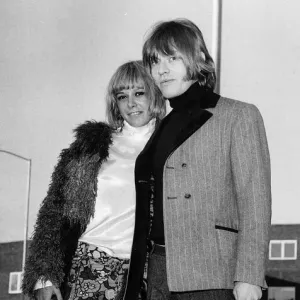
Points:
(10, 270)
(283, 271)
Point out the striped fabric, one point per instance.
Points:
(217, 202)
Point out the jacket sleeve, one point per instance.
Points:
(46, 257)
(250, 163)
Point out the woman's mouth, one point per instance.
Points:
(135, 113)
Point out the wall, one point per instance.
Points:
(56, 58)
(261, 65)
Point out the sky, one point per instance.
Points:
(56, 58)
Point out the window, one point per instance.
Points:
(14, 286)
(283, 249)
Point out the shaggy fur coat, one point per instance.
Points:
(68, 206)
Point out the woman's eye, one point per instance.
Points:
(121, 97)
(172, 58)
(138, 94)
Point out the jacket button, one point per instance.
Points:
(184, 165)
(142, 181)
(187, 196)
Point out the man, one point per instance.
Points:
(212, 194)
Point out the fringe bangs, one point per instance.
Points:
(127, 78)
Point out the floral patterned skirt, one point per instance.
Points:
(96, 275)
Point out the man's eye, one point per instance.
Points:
(154, 61)
(172, 58)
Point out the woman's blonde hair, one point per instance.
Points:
(129, 75)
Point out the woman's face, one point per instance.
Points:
(134, 106)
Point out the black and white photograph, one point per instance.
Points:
(149, 150)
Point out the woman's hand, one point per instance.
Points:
(47, 292)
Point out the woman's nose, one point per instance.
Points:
(131, 101)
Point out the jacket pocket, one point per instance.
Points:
(226, 228)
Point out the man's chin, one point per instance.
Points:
(168, 94)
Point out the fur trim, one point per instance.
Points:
(89, 151)
(92, 138)
(68, 206)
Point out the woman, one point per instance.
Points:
(85, 225)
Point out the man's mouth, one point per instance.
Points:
(166, 81)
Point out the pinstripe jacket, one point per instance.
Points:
(216, 199)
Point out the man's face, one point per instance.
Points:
(169, 73)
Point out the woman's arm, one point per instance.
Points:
(46, 258)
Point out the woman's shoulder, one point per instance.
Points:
(91, 127)
(92, 137)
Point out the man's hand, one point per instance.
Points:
(246, 291)
(47, 292)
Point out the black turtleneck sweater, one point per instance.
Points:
(171, 126)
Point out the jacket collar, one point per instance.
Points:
(195, 112)
(196, 95)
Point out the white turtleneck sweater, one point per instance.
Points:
(111, 228)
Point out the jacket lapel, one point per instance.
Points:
(196, 117)
(153, 137)
(193, 123)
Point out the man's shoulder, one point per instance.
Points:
(226, 105)
(236, 110)
(230, 103)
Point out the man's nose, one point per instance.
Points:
(163, 68)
